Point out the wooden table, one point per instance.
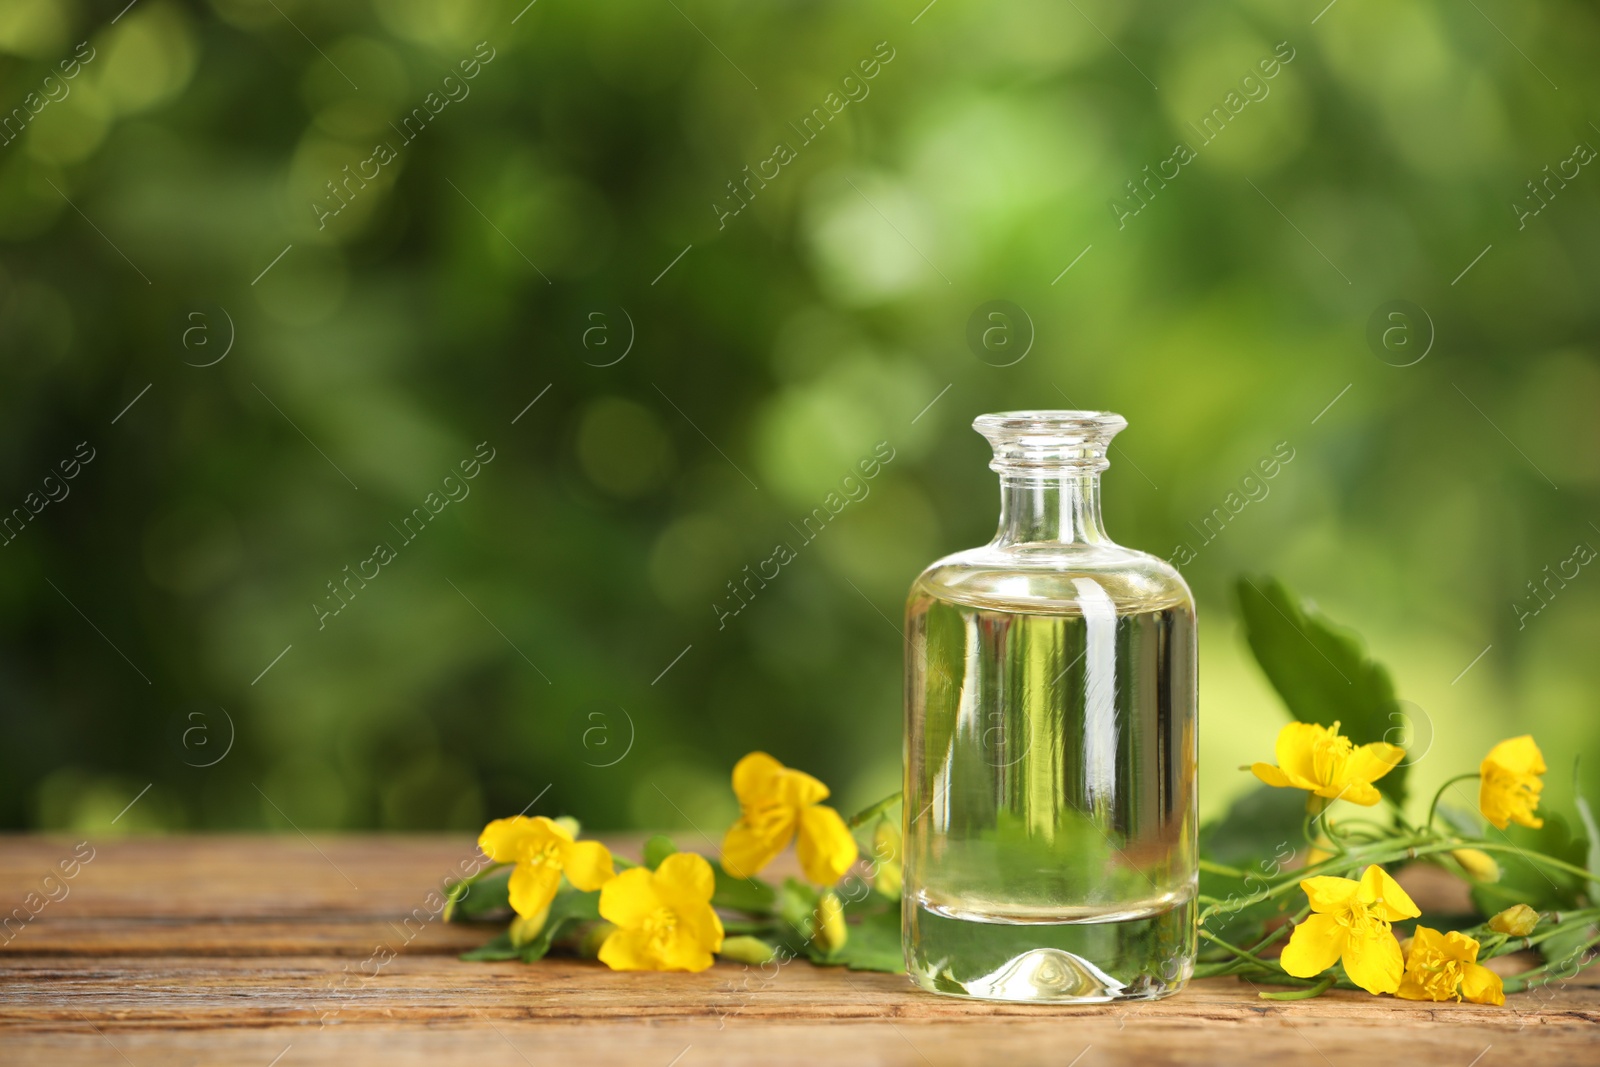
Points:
(268, 951)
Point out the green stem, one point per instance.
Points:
(1301, 994)
(1434, 807)
(871, 812)
(1570, 920)
(1270, 939)
(1236, 950)
(1521, 982)
(1218, 868)
(1532, 857)
(1401, 849)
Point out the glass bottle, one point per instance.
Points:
(1050, 849)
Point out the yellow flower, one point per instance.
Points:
(777, 803)
(828, 928)
(1516, 921)
(1321, 760)
(1509, 789)
(1445, 967)
(664, 917)
(1351, 924)
(543, 850)
(1477, 863)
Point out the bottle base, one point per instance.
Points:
(1143, 958)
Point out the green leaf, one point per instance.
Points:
(657, 849)
(796, 901)
(1260, 835)
(1465, 823)
(1254, 826)
(500, 948)
(1565, 949)
(875, 942)
(569, 908)
(750, 895)
(1592, 859)
(1321, 670)
(484, 897)
(1523, 881)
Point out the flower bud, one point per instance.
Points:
(525, 928)
(886, 855)
(751, 950)
(1517, 921)
(1480, 865)
(569, 824)
(828, 929)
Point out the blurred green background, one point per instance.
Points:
(560, 226)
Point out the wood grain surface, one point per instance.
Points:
(287, 951)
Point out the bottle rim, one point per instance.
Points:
(1049, 440)
(1051, 421)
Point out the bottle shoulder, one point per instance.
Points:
(1053, 579)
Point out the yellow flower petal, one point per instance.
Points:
(564, 828)
(1328, 894)
(826, 849)
(1481, 985)
(798, 789)
(685, 878)
(1363, 793)
(747, 848)
(1296, 749)
(1373, 962)
(1315, 945)
(1322, 761)
(1445, 967)
(1371, 762)
(1384, 897)
(753, 778)
(507, 840)
(587, 865)
(685, 884)
(628, 950)
(630, 898)
(1427, 942)
(1426, 976)
(1275, 776)
(664, 917)
(1510, 786)
(532, 887)
(684, 953)
(1519, 755)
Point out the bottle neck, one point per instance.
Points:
(1060, 507)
